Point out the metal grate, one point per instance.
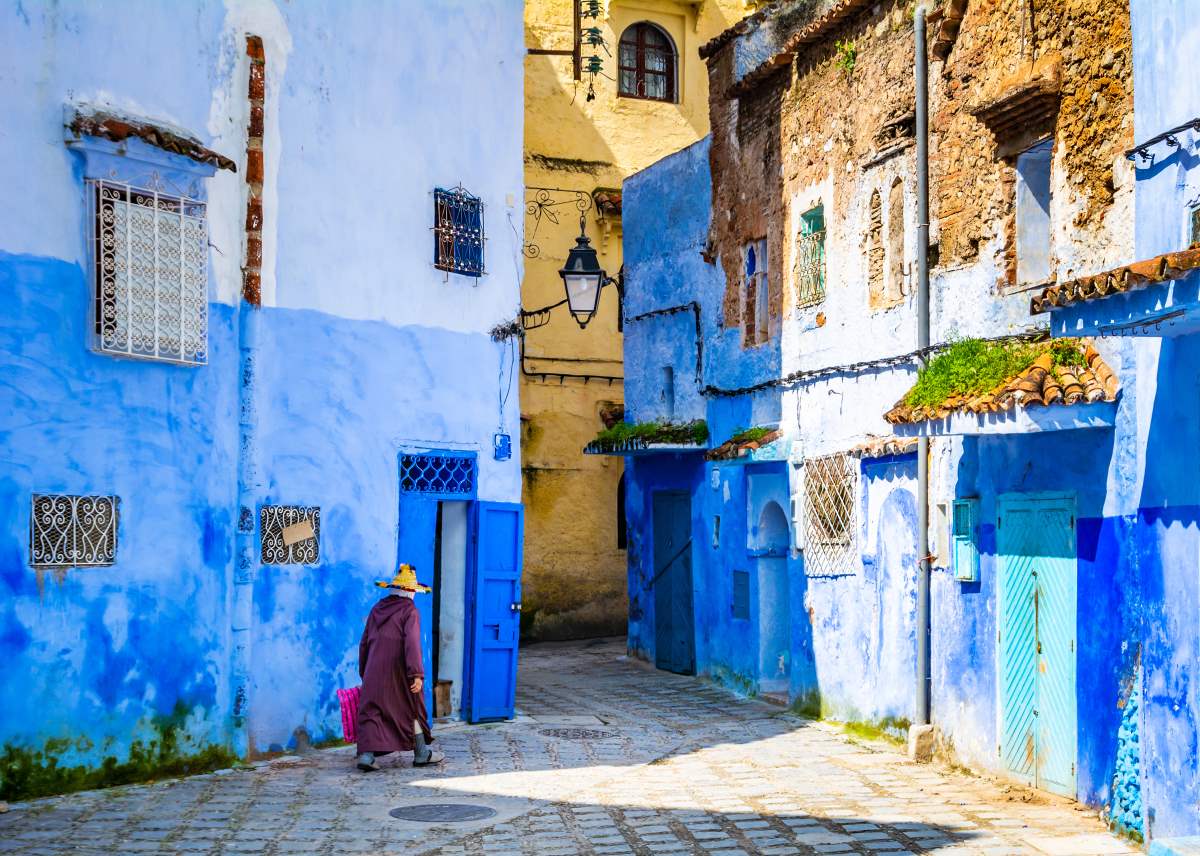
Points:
(810, 268)
(830, 528)
(577, 733)
(457, 232)
(274, 519)
(151, 274)
(438, 474)
(72, 531)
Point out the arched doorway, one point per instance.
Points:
(774, 612)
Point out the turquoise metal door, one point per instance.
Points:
(1036, 544)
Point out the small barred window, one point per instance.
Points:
(457, 232)
(830, 523)
(72, 531)
(438, 475)
(290, 534)
(151, 274)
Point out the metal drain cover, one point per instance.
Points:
(442, 812)
(577, 733)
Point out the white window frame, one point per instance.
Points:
(149, 254)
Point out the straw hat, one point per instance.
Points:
(405, 579)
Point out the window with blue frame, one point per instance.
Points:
(457, 232)
(964, 539)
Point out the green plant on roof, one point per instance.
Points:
(750, 435)
(628, 433)
(973, 367)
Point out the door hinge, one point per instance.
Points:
(1072, 644)
(1072, 769)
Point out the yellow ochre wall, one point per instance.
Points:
(574, 579)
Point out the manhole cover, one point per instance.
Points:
(442, 812)
(577, 733)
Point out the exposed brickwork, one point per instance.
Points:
(252, 270)
(1093, 124)
(828, 120)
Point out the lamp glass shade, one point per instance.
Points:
(583, 294)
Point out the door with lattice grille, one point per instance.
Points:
(1035, 540)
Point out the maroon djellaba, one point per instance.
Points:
(391, 709)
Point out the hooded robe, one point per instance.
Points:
(389, 657)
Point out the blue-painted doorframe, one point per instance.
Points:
(492, 592)
(1035, 545)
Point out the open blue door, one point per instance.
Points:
(417, 535)
(494, 611)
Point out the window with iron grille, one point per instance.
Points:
(284, 536)
(457, 232)
(810, 258)
(830, 524)
(646, 64)
(72, 531)
(151, 273)
(438, 475)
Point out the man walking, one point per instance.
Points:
(391, 711)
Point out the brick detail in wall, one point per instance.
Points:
(256, 92)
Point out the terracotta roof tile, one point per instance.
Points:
(1158, 269)
(115, 127)
(733, 448)
(1039, 385)
(811, 32)
(879, 447)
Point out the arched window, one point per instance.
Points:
(646, 64)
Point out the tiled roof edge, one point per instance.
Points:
(113, 126)
(743, 26)
(1167, 266)
(1034, 386)
(811, 32)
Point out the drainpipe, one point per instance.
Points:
(249, 478)
(921, 76)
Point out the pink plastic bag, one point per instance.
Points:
(349, 702)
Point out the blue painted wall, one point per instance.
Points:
(842, 629)
(364, 349)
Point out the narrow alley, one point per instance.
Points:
(607, 757)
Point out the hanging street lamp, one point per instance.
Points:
(583, 278)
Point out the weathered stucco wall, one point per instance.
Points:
(363, 349)
(574, 576)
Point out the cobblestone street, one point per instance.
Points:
(608, 757)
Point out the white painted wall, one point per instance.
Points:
(452, 624)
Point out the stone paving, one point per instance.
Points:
(607, 757)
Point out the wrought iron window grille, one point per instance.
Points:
(810, 268)
(830, 486)
(150, 262)
(443, 475)
(273, 519)
(458, 232)
(72, 531)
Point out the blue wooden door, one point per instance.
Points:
(1036, 545)
(493, 611)
(415, 545)
(674, 624)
